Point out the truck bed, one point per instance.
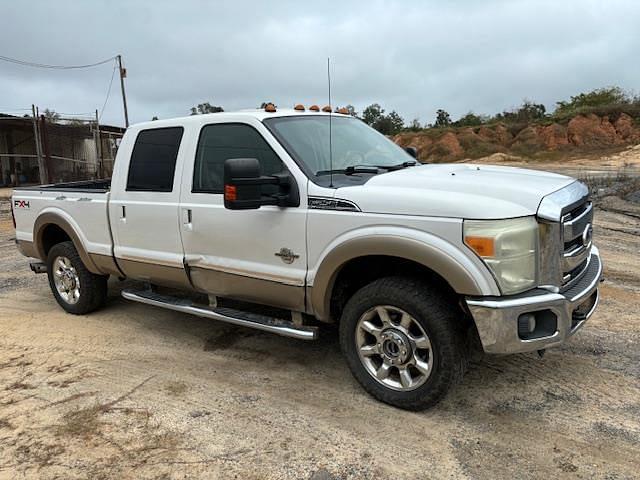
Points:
(87, 186)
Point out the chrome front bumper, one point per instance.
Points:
(496, 318)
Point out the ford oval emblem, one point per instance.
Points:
(587, 235)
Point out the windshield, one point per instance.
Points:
(354, 144)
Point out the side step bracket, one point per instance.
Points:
(236, 317)
(38, 267)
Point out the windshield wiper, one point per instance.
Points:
(374, 169)
(351, 169)
(399, 166)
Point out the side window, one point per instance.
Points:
(153, 160)
(220, 142)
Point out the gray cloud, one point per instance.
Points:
(413, 57)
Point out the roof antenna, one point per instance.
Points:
(330, 147)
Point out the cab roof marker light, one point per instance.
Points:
(326, 109)
(314, 108)
(299, 107)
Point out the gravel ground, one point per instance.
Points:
(138, 392)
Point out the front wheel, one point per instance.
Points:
(403, 342)
(75, 288)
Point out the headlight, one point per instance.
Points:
(508, 248)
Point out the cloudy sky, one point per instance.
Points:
(412, 57)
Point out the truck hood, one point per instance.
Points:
(456, 190)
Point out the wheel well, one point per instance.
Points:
(361, 271)
(52, 235)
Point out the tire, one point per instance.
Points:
(66, 272)
(413, 310)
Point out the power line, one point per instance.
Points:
(87, 114)
(54, 67)
(118, 65)
(113, 73)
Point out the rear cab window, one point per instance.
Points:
(153, 160)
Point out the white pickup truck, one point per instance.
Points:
(229, 215)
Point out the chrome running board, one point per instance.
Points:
(236, 317)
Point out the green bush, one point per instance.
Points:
(600, 97)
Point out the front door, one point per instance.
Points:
(254, 255)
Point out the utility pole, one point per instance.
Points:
(36, 137)
(123, 74)
(98, 139)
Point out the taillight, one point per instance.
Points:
(13, 215)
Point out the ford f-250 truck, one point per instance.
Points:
(318, 215)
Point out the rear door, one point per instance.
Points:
(255, 255)
(144, 207)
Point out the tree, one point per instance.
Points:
(154, 118)
(443, 119)
(393, 123)
(206, 107)
(51, 116)
(389, 124)
(470, 119)
(372, 114)
(527, 112)
(414, 126)
(531, 111)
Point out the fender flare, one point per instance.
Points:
(464, 276)
(48, 218)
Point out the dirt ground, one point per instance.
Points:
(133, 391)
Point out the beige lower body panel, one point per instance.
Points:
(265, 292)
(173, 277)
(215, 282)
(105, 264)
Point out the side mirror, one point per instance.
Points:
(413, 151)
(243, 186)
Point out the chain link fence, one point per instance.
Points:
(35, 149)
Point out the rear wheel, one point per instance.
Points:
(75, 288)
(403, 342)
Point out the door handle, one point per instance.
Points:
(123, 217)
(187, 218)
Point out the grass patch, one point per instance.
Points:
(4, 423)
(19, 386)
(618, 183)
(42, 454)
(176, 388)
(82, 422)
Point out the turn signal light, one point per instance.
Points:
(314, 108)
(327, 109)
(483, 246)
(299, 107)
(230, 193)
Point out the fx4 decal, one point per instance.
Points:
(21, 204)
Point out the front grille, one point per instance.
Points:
(575, 273)
(575, 229)
(577, 211)
(589, 274)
